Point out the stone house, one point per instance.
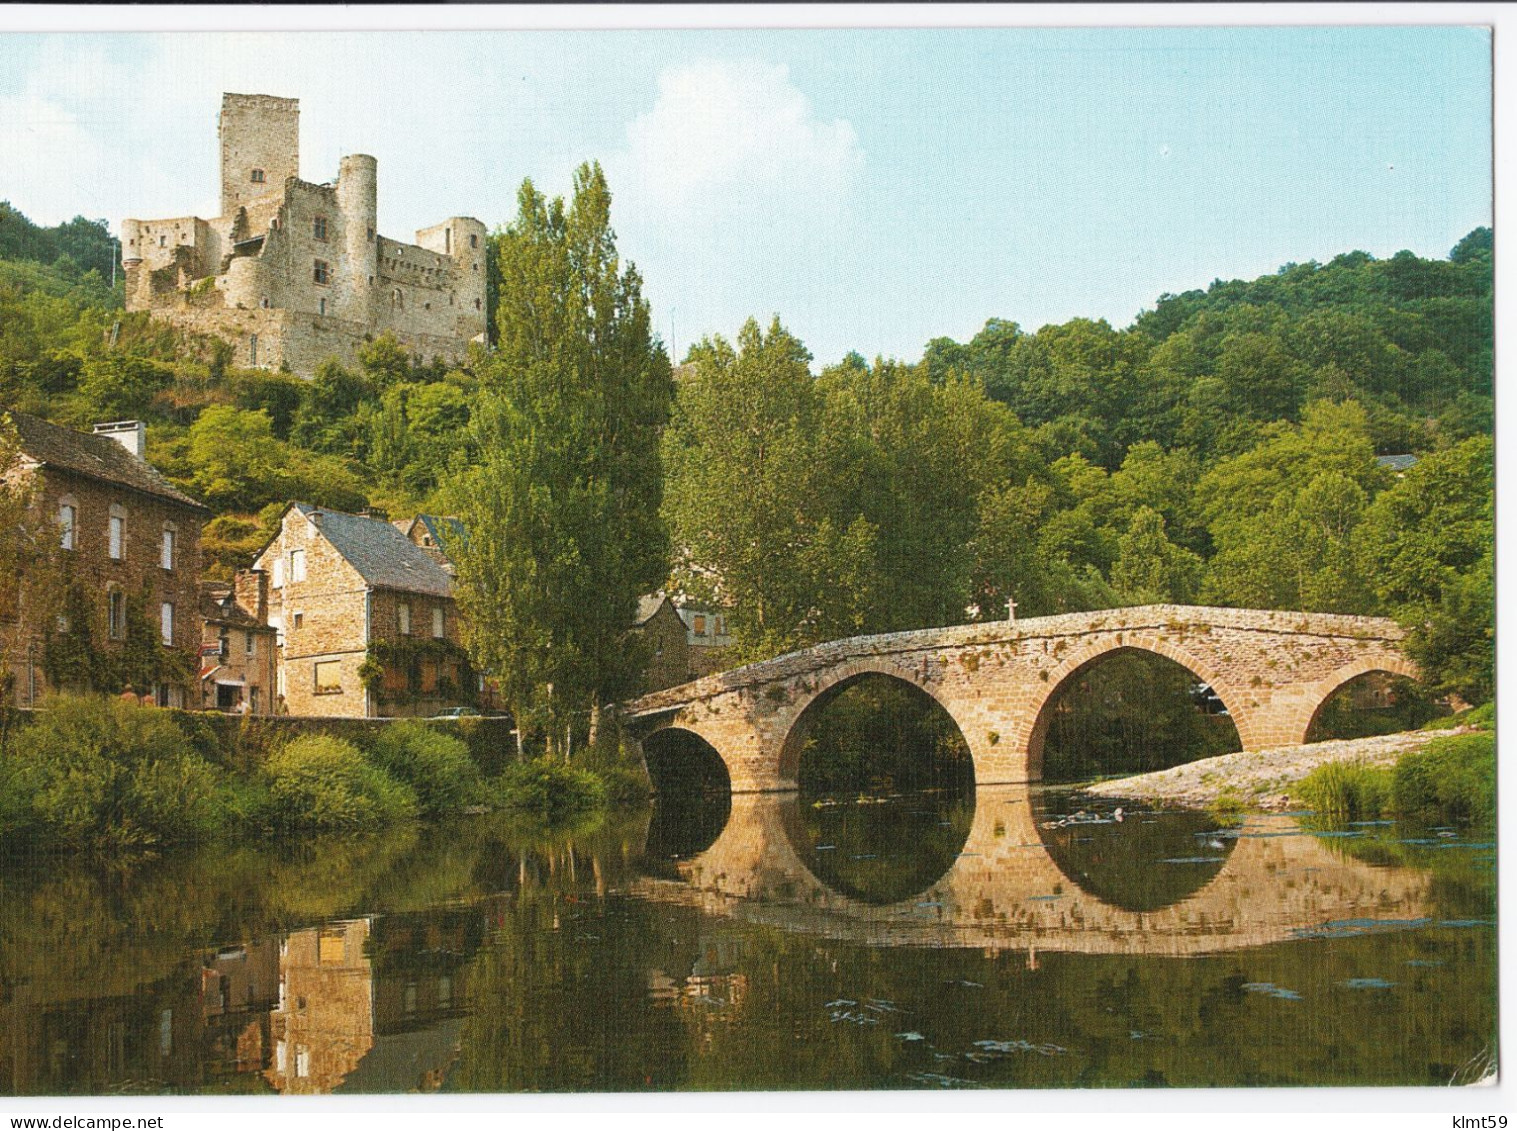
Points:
(659, 621)
(238, 657)
(366, 621)
(127, 540)
(292, 273)
(707, 638)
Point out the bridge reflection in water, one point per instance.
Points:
(1005, 888)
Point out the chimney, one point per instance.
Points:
(130, 434)
(250, 588)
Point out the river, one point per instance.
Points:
(1005, 938)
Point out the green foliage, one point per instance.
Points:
(102, 774)
(624, 785)
(551, 791)
(319, 782)
(562, 506)
(1348, 791)
(1450, 779)
(436, 766)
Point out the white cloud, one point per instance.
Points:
(724, 133)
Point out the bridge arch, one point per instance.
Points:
(827, 686)
(1314, 696)
(1033, 728)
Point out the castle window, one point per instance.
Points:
(426, 306)
(163, 241)
(323, 306)
(476, 304)
(447, 240)
(323, 272)
(476, 266)
(319, 227)
(264, 303)
(253, 346)
(257, 177)
(397, 300)
(474, 240)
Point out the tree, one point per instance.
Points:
(562, 509)
(1428, 541)
(1150, 569)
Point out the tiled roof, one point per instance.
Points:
(217, 607)
(647, 606)
(382, 555)
(98, 457)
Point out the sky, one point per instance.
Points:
(873, 188)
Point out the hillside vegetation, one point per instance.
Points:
(1221, 449)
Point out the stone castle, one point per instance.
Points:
(292, 273)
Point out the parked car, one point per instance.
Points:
(457, 713)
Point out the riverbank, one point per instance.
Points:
(1262, 779)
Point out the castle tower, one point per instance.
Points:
(260, 147)
(358, 201)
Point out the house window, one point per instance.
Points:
(437, 622)
(67, 514)
(166, 555)
(278, 579)
(319, 227)
(299, 619)
(403, 618)
(226, 643)
(166, 619)
(297, 565)
(118, 535)
(699, 627)
(249, 644)
(323, 272)
(428, 677)
(257, 177)
(115, 619)
(328, 677)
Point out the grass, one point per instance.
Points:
(1451, 779)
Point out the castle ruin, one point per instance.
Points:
(292, 273)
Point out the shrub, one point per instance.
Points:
(625, 785)
(1348, 790)
(436, 766)
(1450, 779)
(102, 773)
(1482, 718)
(549, 790)
(319, 782)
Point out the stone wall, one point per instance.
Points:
(145, 519)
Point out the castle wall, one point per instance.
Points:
(260, 137)
(301, 274)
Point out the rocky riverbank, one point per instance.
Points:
(1259, 779)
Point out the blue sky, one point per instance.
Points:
(874, 188)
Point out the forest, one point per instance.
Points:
(1222, 449)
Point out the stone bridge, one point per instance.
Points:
(1006, 891)
(1273, 671)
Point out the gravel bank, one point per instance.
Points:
(1260, 779)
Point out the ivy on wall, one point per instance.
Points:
(407, 654)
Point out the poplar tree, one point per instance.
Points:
(562, 505)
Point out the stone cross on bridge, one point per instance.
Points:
(1273, 671)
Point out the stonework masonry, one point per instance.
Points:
(293, 273)
(1272, 671)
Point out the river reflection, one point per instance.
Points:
(1005, 938)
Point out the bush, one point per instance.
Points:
(102, 773)
(1450, 779)
(1348, 791)
(318, 782)
(436, 766)
(549, 790)
(1482, 718)
(625, 785)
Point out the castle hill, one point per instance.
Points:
(690, 616)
